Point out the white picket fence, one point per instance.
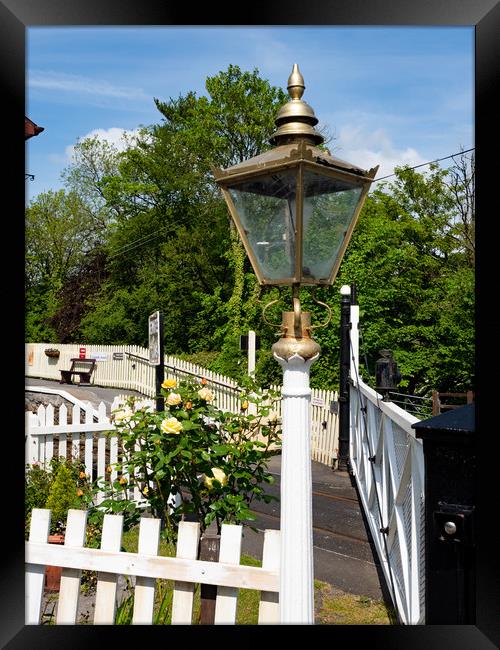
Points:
(388, 465)
(128, 367)
(109, 562)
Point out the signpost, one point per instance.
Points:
(156, 354)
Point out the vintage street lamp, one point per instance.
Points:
(295, 207)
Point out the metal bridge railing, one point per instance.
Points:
(387, 462)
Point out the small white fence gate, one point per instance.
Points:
(147, 566)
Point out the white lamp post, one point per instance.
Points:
(295, 207)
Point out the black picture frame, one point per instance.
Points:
(15, 17)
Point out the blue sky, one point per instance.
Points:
(388, 95)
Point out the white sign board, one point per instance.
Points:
(317, 401)
(100, 356)
(154, 339)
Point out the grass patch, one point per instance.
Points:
(335, 607)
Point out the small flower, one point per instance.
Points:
(173, 399)
(188, 406)
(244, 405)
(79, 493)
(169, 383)
(218, 475)
(206, 394)
(146, 491)
(171, 425)
(123, 481)
(109, 469)
(83, 475)
(122, 415)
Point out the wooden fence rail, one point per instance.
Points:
(147, 566)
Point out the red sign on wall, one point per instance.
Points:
(83, 353)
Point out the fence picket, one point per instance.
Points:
(63, 420)
(229, 553)
(69, 593)
(35, 573)
(187, 548)
(75, 437)
(269, 609)
(144, 595)
(105, 600)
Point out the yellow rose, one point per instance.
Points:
(188, 406)
(122, 415)
(173, 399)
(83, 475)
(244, 405)
(123, 481)
(218, 475)
(171, 425)
(169, 383)
(206, 394)
(79, 493)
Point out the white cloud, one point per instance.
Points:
(368, 148)
(58, 81)
(117, 137)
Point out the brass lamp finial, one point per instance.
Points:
(296, 84)
(296, 119)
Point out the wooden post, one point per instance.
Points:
(436, 405)
(209, 551)
(251, 353)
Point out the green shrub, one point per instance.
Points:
(63, 494)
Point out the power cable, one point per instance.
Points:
(427, 163)
(144, 240)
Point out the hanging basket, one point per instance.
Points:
(53, 353)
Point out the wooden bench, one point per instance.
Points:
(81, 367)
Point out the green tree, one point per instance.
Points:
(414, 275)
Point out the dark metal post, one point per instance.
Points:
(345, 341)
(450, 500)
(160, 370)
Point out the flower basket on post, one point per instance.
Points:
(52, 353)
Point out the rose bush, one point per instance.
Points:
(195, 460)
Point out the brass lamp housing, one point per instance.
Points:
(311, 172)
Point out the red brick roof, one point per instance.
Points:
(30, 128)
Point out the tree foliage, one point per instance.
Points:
(146, 228)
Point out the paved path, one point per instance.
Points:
(343, 553)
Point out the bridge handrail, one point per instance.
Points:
(388, 465)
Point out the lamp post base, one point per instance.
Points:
(295, 356)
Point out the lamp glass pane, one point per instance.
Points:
(266, 208)
(329, 206)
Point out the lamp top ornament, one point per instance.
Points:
(295, 205)
(296, 119)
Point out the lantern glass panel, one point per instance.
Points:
(329, 206)
(267, 211)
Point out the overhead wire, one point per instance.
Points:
(137, 243)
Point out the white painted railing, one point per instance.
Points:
(128, 367)
(109, 562)
(388, 464)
